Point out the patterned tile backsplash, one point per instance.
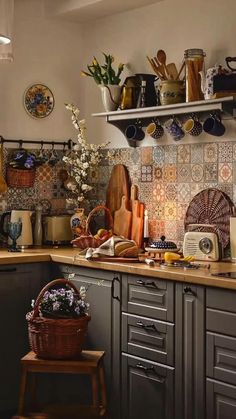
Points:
(167, 176)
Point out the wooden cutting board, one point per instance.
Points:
(118, 186)
(137, 222)
(123, 219)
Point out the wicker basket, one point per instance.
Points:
(88, 240)
(56, 338)
(20, 178)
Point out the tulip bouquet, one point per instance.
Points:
(104, 74)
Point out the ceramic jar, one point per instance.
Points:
(171, 91)
(78, 222)
(110, 96)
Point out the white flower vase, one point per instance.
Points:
(110, 96)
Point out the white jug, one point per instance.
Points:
(26, 237)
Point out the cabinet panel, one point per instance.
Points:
(148, 389)
(148, 297)
(148, 338)
(189, 352)
(221, 299)
(221, 357)
(221, 400)
(221, 321)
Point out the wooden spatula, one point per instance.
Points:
(3, 184)
(172, 70)
(123, 219)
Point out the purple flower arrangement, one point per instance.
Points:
(63, 303)
(23, 159)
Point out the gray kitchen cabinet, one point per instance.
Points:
(221, 354)
(190, 352)
(148, 389)
(103, 295)
(19, 284)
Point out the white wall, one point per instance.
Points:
(172, 25)
(46, 51)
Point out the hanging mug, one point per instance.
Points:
(214, 126)
(193, 126)
(134, 132)
(174, 128)
(155, 130)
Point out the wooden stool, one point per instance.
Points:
(90, 362)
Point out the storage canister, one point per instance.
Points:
(194, 62)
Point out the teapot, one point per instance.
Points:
(207, 81)
(26, 237)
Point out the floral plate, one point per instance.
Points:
(38, 101)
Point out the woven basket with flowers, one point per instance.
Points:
(21, 169)
(58, 323)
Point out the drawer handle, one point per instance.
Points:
(147, 284)
(188, 290)
(115, 297)
(8, 270)
(149, 369)
(146, 326)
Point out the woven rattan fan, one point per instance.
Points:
(212, 207)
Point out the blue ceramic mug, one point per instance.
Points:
(174, 128)
(134, 132)
(214, 126)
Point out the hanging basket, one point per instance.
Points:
(57, 338)
(20, 178)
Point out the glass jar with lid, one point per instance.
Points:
(194, 63)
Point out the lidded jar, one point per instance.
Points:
(194, 63)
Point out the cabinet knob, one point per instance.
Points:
(147, 283)
(139, 365)
(146, 326)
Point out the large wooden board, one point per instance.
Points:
(123, 219)
(137, 222)
(118, 186)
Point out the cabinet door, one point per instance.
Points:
(221, 400)
(190, 352)
(147, 390)
(19, 284)
(103, 295)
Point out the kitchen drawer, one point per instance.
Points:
(220, 299)
(148, 338)
(81, 272)
(148, 297)
(220, 400)
(221, 357)
(221, 321)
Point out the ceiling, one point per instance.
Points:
(85, 10)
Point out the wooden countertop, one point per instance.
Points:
(203, 275)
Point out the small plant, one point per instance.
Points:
(63, 302)
(104, 74)
(23, 159)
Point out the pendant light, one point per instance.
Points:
(6, 16)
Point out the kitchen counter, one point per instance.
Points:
(203, 275)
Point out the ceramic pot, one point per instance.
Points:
(172, 91)
(78, 222)
(110, 96)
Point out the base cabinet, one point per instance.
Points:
(221, 400)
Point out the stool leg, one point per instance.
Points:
(102, 386)
(95, 390)
(34, 401)
(23, 381)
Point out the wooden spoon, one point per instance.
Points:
(161, 56)
(3, 185)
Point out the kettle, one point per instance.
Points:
(26, 238)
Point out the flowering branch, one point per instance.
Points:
(83, 157)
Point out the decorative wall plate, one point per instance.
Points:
(214, 207)
(38, 101)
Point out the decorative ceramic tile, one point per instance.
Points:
(181, 210)
(197, 172)
(171, 230)
(94, 175)
(234, 172)
(159, 155)
(225, 152)
(171, 191)
(196, 153)
(210, 153)
(225, 172)
(146, 173)
(170, 154)
(227, 188)
(234, 194)
(158, 172)
(234, 151)
(104, 174)
(58, 191)
(135, 156)
(159, 210)
(195, 189)
(145, 193)
(135, 173)
(211, 172)
(44, 173)
(158, 192)
(156, 228)
(146, 155)
(180, 232)
(45, 191)
(183, 192)
(58, 205)
(184, 153)
(170, 173)
(184, 173)
(170, 210)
